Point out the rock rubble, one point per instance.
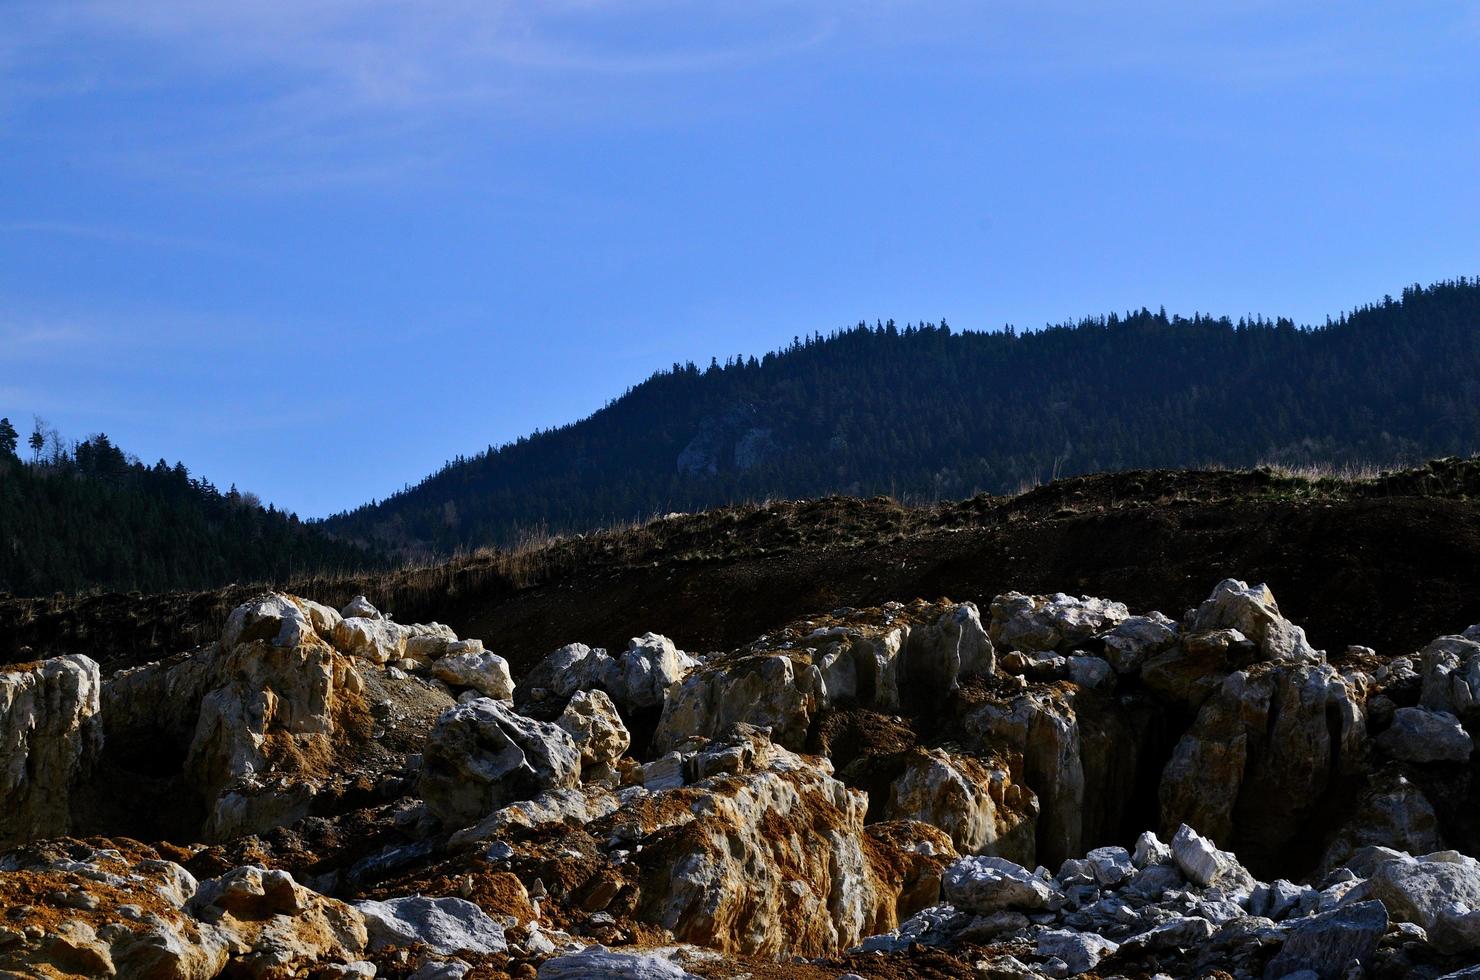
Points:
(1069, 787)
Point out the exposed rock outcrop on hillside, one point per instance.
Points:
(1068, 787)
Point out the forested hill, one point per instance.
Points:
(926, 411)
(90, 516)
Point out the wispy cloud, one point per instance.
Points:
(302, 94)
(297, 95)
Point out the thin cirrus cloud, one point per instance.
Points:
(301, 95)
(311, 93)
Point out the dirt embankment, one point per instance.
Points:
(1387, 563)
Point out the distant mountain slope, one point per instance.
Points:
(92, 517)
(925, 411)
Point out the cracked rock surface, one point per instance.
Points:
(1065, 786)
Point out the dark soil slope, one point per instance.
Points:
(1387, 563)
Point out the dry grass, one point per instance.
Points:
(1317, 472)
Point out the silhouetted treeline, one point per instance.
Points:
(90, 516)
(922, 411)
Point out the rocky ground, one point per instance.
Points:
(793, 774)
(1047, 785)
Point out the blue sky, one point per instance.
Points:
(317, 247)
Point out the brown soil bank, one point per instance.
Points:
(1387, 563)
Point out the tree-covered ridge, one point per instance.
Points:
(927, 411)
(90, 516)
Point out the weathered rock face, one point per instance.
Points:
(978, 804)
(876, 658)
(1261, 754)
(486, 673)
(523, 835)
(779, 692)
(1421, 735)
(1450, 670)
(643, 677)
(50, 736)
(482, 756)
(276, 718)
(1255, 614)
(278, 707)
(776, 860)
(81, 910)
(593, 724)
(1392, 813)
(1051, 622)
(1083, 767)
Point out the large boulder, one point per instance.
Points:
(976, 802)
(593, 724)
(1252, 611)
(1262, 754)
(1421, 735)
(642, 677)
(484, 672)
(1204, 864)
(1325, 945)
(1431, 891)
(442, 925)
(1393, 812)
(574, 667)
(1051, 622)
(279, 619)
(779, 691)
(647, 670)
(482, 756)
(269, 708)
(1450, 671)
(275, 926)
(985, 885)
(50, 738)
(1129, 644)
(377, 640)
(769, 855)
(1187, 673)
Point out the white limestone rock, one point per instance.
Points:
(443, 925)
(1252, 611)
(486, 673)
(51, 734)
(1201, 860)
(1429, 888)
(989, 884)
(1052, 622)
(598, 961)
(1080, 951)
(1129, 644)
(482, 756)
(978, 804)
(1421, 735)
(359, 607)
(591, 720)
